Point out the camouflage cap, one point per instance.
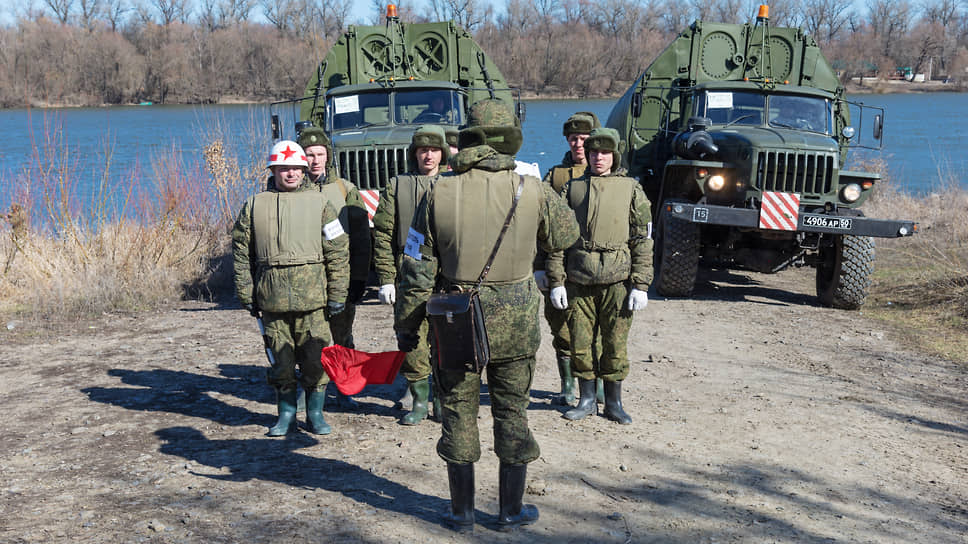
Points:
(492, 112)
(604, 139)
(311, 136)
(430, 136)
(583, 122)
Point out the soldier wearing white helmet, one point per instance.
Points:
(291, 269)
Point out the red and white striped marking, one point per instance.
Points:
(371, 199)
(780, 211)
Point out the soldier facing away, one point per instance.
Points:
(606, 273)
(291, 269)
(391, 223)
(453, 234)
(345, 197)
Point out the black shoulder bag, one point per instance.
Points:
(457, 329)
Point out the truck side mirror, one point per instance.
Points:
(275, 126)
(878, 126)
(637, 104)
(521, 111)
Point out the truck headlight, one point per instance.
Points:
(851, 192)
(716, 183)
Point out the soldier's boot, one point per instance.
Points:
(613, 403)
(599, 391)
(438, 412)
(314, 412)
(567, 381)
(461, 479)
(406, 401)
(511, 480)
(420, 390)
(301, 401)
(586, 401)
(286, 401)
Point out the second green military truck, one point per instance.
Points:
(738, 134)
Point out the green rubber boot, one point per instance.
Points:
(586, 403)
(613, 403)
(567, 381)
(314, 412)
(286, 401)
(599, 391)
(420, 390)
(438, 413)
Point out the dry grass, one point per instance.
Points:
(921, 282)
(67, 259)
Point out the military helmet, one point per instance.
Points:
(429, 136)
(287, 153)
(605, 139)
(582, 122)
(492, 122)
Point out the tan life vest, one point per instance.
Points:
(468, 214)
(287, 227)
(410, 191)
(601, 204)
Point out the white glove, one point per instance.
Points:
(541, 278)
(387, 294)
(638, 300)
(559, 298)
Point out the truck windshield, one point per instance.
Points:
(748, 108)
(436, 106)
(359, 110)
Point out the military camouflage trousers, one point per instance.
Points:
(341, 326)
(509, 387)
(416, 365)
(601, 308)
(558, 323)
(297, 338)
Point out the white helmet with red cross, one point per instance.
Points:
(287, 153)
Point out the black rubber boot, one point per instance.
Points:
(314, 412)
(586, 403)
(511, 480)
(613, 403)
(438, 412)
(461, 479)
(286, 401)
(420, 390)
(599, 391)
(567, 381)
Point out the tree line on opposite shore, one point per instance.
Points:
(93, 52)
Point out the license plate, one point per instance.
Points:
(827, 222)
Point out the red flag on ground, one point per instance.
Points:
(351, 370)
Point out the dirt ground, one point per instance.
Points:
(758, 417)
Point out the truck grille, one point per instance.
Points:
(806, 173)
(370, 168)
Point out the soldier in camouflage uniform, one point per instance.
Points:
(291, 269)
(345, 197)
(606, 273)
(575, 130)
(451, 238)
(391, 223)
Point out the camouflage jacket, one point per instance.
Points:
(598, 257)
(557, 177)
(510, 307)
(294, 288)
(392, 221)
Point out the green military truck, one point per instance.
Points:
(377, 84)
(738, 134)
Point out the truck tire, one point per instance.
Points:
(677, 255)
(844, 272)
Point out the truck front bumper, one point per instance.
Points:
(806, 222)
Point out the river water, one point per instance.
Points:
(924, 142)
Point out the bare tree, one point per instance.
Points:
(215, 14)
(61, 9)
(114, 12)
(90, 12)
(889, 20)
(825, 19)
(469, 14)
(170, 11)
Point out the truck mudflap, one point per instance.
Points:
(806, 222)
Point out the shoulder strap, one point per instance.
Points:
(500, 237)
